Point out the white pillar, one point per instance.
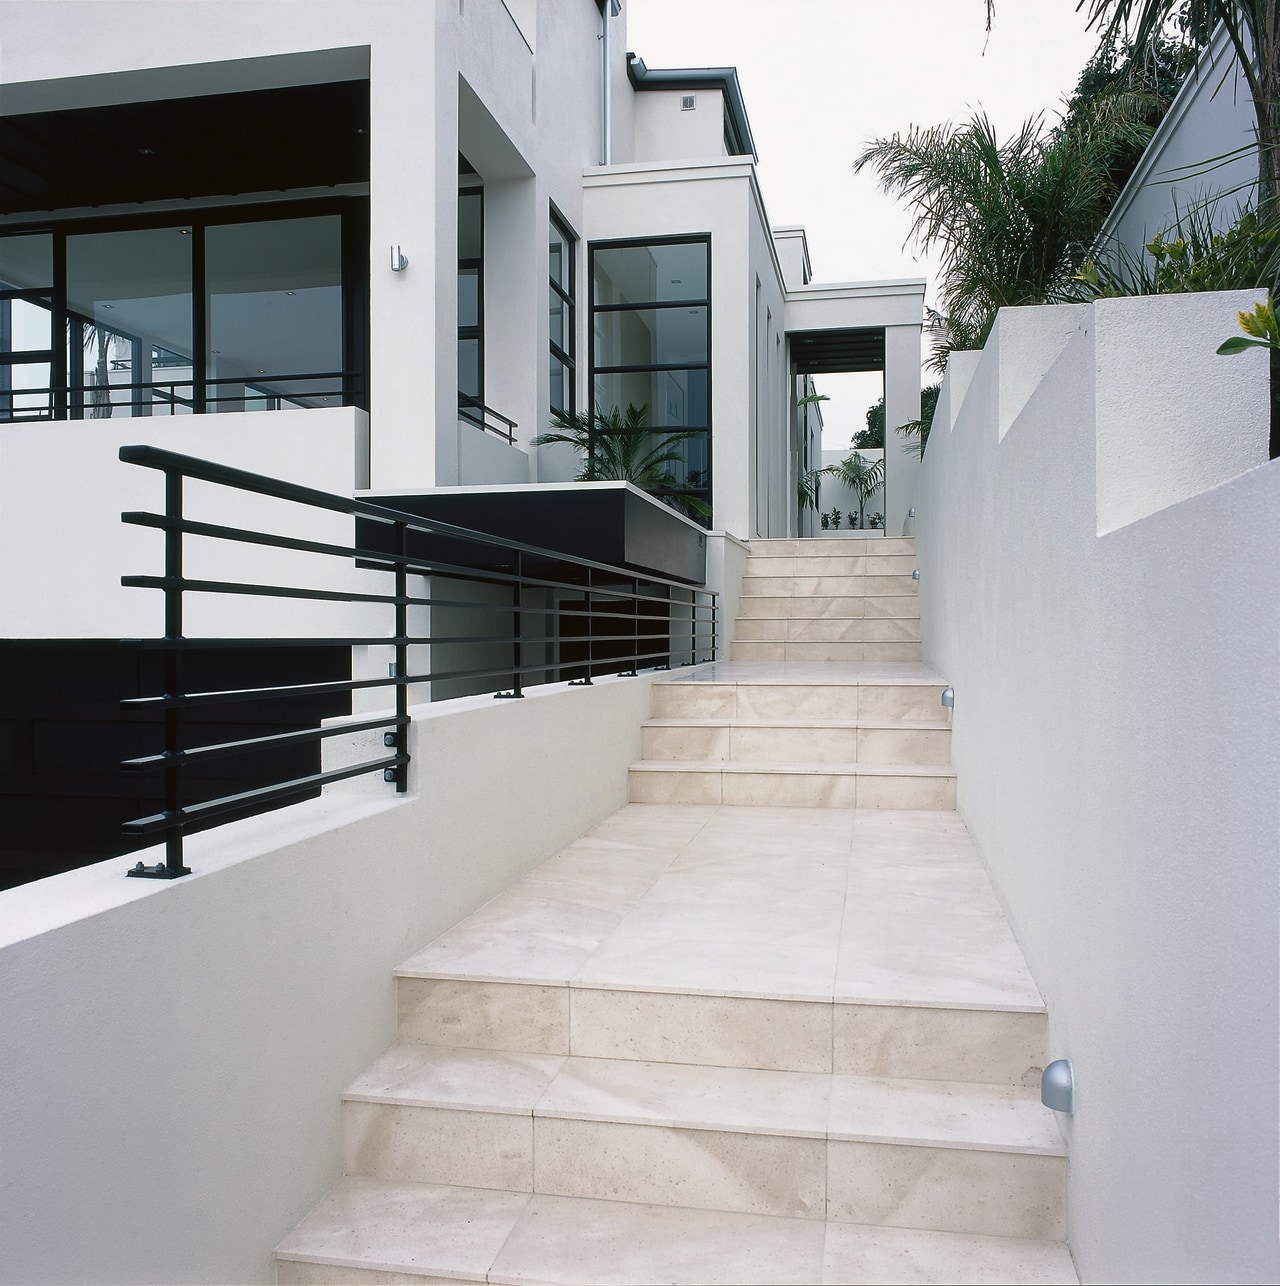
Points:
(901, 406)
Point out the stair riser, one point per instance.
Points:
(790, 790)
(987, 1047)
(888, 629)
(940, 1188)
(841, 565)
(830, 651)
(833, 546)
(796, 701)
(798, 745)
(842, 607)
(832, 586)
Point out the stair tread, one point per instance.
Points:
(891, 725)
(472, 1234)
(781, 766)
(888, 1110)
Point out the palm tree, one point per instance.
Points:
(620, 447)
(861, 476)
(1013, 220)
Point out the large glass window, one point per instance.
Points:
(26, 327)
(560, 297)
(651, 348)
(471, 297)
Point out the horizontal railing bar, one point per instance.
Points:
(225, 696)
(215, 644)
(264, 591)
(264, 794)
(248, 745)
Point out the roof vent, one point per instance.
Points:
(688, 102)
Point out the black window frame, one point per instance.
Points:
(475, 332)
(565, 354)
(702, 492)
(67, 395)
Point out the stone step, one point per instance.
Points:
(791, 586)
(799, 1144)
(374, 1230)
(829, 650)
(847, 544)
(887, 700)
(824, 741)
(794, 785)
(865, 565)
(827, 629)
(843, 607)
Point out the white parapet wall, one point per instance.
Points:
(174, 1053)
(1099, 543)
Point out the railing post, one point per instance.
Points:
(517, 652)
(172, 867)
(635, 631)
(585, 681)
(402, 655)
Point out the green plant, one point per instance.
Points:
(919, 429)
(836, 517)
(876, 522)
(859, 475)
(872, 437)
(620, 447)
(1260, 331)
(826, 521)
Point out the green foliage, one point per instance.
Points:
(1260, 331)
(860, 476)
(619, 447)
(872, 437)
(919, 429)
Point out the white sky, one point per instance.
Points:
(822, 77)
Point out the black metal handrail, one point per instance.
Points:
(664, 622)
(475, 412)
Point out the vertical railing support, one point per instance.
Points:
(585, 681)
(172, 866)
(517, 629)
(402, 655)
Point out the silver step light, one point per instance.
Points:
(1058, 1087)
(949, 698)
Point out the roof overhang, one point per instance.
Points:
(724, 79)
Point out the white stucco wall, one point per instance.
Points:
(664, 131)
(174, 1052)
(1182, 168)
(1115, 736)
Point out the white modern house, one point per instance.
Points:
(370, 249)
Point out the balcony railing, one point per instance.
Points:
(603, 619)
(485, 417)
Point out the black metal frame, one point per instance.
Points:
(66, 395)
(564, 353)
(475, 332)
(657, 429)
(483, 417)
(416, 547)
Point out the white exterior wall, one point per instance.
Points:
(718, 198)
(1117, 686)
(179, 1049)
(666, 132)
(1211, 116)
(833, 494)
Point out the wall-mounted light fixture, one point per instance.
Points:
(915, 575)
(398, 262)
(949, 698)
(1058, 1086)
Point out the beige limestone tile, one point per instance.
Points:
(747, 650)
(886, 564)
(828, 565)
(798, 701)
(748, 1100)
(835, 606)
(694, 700)
(835, 650)
(824, 629)
(897, 651)
(684, 741)
(886, 584)
(616, 1243)
(792, 789)
(483, 1015)
(890, 629)
(397, 1227)
(886, 973)
(858, 1253)
(770, 563)
(663, 786)
(294, 1272)
(748, 743)
(947, 1189)
(904, 745)
(824, 586)
(754, 605)
(438, 1145)
(783, 1035)
(712, 1169)
(894, 545)
(617, 869)
(486, 1080)
(988, 1118)
(915, 831)
(890, 606)
(924, 1043)
(760, 629)
(767, 545)
(897, 701)
(906, 792)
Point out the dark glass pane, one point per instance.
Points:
(559, 399)
(26, 262)
(470, 227)
(651, 337)
(275, 309)
(559, 260)
(468, 297)
(559, 320)
(650, 274)
(469, 367)
(675, 399)
(128, 294)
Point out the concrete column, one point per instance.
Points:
(901, 405)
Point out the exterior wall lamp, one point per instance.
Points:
(398, 262)
(1058, 1087)
(949, 698)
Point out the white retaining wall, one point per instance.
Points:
(173, 1053)
(1099, 544)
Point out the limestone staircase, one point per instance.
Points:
(710, 1043)
(860, 728)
